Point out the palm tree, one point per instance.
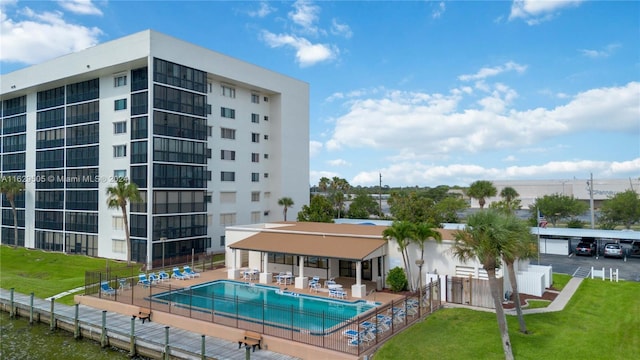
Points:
(522, 245)
(401, 232)
(11, 187)
(485, 238)
(286, 202)
(421, 233)
(510, 197)
(118, 198)
(481, 190)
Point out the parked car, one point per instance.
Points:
(613, 250)
(586, 248)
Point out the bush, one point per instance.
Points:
(397, 279)
(575, 224)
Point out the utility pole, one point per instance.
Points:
(591, 200)
(380, 195)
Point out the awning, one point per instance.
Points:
(328, 246)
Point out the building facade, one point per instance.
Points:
(210, 141)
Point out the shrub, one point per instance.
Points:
(397, 279)
(575, 224)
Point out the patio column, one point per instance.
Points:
(358, 290)
(301, 280)
(234, 272)
(265, 276)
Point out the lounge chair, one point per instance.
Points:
(163, 275)
(124, 284)
(106, 289)
(153, 278)
(178, 275)
(142, 280)
(187, 270)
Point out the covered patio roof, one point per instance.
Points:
(320, 245)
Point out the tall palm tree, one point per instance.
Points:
(401, 232)
(286, 203)
(484, 238)
(481, 190)
(510, 197)
(421, 233)
(119, 196)
(11, 187)
(522, 245)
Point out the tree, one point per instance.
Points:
(481, 190)
(412, 207)
(556, 207)
(522, 244)
(336, 190)
(401, 232)
(484, 238)
(119, 196)
(622, 208)
(362, 206)
(286, 203)
(318, 210)
(11, 187)
(447, 209)
(509, 203)
(421, 233)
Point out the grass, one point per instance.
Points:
(560, 281)
(46, 273)
(536, 304)
(601, 321)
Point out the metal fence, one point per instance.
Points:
(329, 330)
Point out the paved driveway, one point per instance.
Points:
(581, 265)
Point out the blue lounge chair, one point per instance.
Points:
(178, 275)
(187, 270)
(106, 289)
(153, 278)
(142, 280)
(163, 275)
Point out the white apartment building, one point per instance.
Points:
(211, 141)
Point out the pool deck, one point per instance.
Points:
(226, 337)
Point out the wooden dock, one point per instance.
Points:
(150, 339)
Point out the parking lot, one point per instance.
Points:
(580, 265)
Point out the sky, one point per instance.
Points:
(416, 93)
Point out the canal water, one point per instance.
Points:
(19, 340)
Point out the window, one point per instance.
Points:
(266, 156)
(120, 151)
(255, 196)
(227, 133)
(227, 176)
(117, 174)
(266, 118)
(227, 155)
(227, 113)
(227, 197)
(266, 137)
(255, 98)
(228, 91)
(255, 217)
(118, 223)
(120, 127)
(266, 175)
(255, 177)
(118, 246)
(255, 118)
(222, 240)
(255, 157)
(266, 99)
(227, 219)
(255, 137)
(120, 104)
(120, 80)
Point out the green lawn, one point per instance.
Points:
(601, 321)
(45, 273)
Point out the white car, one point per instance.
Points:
(613, 250)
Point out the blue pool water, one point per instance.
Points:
(260, 303)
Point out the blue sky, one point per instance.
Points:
(423, 92)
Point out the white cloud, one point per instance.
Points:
(603, 53)
(262, 11)
(314, 148)
(82, 7)
(37, 37)
(494, 71)
(341, 29)
(307, 53)
(440, 9)
(338, 162)
(305, 15)
(536, 11)
(433, 126)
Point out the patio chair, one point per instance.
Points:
(314, 286)
(187, 270)
(153, 278)
(163, 275)
(124, 284)
(142, 280)
(105, 288)
(178, 275)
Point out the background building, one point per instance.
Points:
(211, 141)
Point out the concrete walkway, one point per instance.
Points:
(65, 293)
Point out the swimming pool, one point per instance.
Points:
(268, 305)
